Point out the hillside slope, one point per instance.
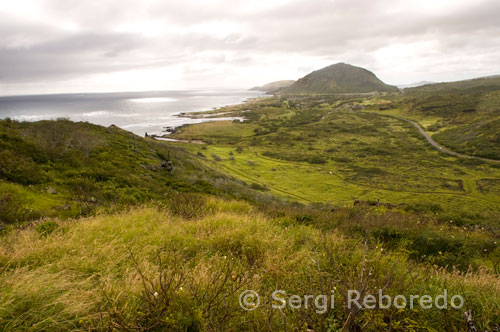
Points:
(479, 84)
(274, 86)
(338, 78)
(463, 116)
(67, 169)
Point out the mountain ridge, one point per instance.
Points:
(273, 86)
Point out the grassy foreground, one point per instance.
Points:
(183, 266)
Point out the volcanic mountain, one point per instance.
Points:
(338, 78)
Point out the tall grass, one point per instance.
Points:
(148, 269)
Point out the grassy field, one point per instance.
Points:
(342, 151)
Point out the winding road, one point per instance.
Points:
(438, 146)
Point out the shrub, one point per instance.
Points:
(12, 208)
(19, 169)
(316, 160)
(257, 186)
(187, 205)
(424, 208)
(47, 227)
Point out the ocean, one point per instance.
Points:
(138, 112)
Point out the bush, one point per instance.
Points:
(187, 205)
(316, 160)
(424, 208)
(257, 186)
(12, 208)
(19, 169)
(47, 227)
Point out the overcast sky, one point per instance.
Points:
(131, 45)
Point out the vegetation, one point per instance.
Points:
(172, 268)
(342, 149)
(102, 230)
(65, 169)
(463, 116)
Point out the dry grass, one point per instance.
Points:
(100, 272)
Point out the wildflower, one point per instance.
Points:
(155, 294)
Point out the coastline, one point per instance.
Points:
(216, 114)
(137, 112)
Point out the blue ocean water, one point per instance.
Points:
(138, 112)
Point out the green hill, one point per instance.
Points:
(338, 78)
(481, 84)
(273, 86)
(461, 115)
(67, 169)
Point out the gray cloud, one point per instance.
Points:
(68, 40)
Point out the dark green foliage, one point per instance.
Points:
(296, 156)
(14, 208)
(47, 227)
(258, 186)
(187, 205)
(94, 167)
(424, 208)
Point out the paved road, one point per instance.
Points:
(442, 148)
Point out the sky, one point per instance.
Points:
(55, 46)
